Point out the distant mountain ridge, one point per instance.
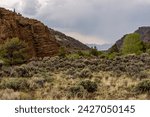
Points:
(41, 40)
(145, 37)
(100, 46)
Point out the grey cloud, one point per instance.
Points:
(30, 7)
(108, 19)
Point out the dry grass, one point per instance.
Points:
(62, 79)
(109, 87)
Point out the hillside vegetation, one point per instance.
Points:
(82, 75)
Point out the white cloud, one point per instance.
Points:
(9, 3)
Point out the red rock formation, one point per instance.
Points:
(40, 40)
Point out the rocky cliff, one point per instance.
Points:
(145, 33)
(145, 37)
(42, 41)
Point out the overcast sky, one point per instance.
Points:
(90, 21)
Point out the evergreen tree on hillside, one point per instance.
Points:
(14, 51)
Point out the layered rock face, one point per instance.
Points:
(41, 42)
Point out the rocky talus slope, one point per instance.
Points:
(70, 43)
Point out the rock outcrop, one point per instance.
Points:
(41, 40)
(145, 33)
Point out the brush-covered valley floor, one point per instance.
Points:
(124, 77)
